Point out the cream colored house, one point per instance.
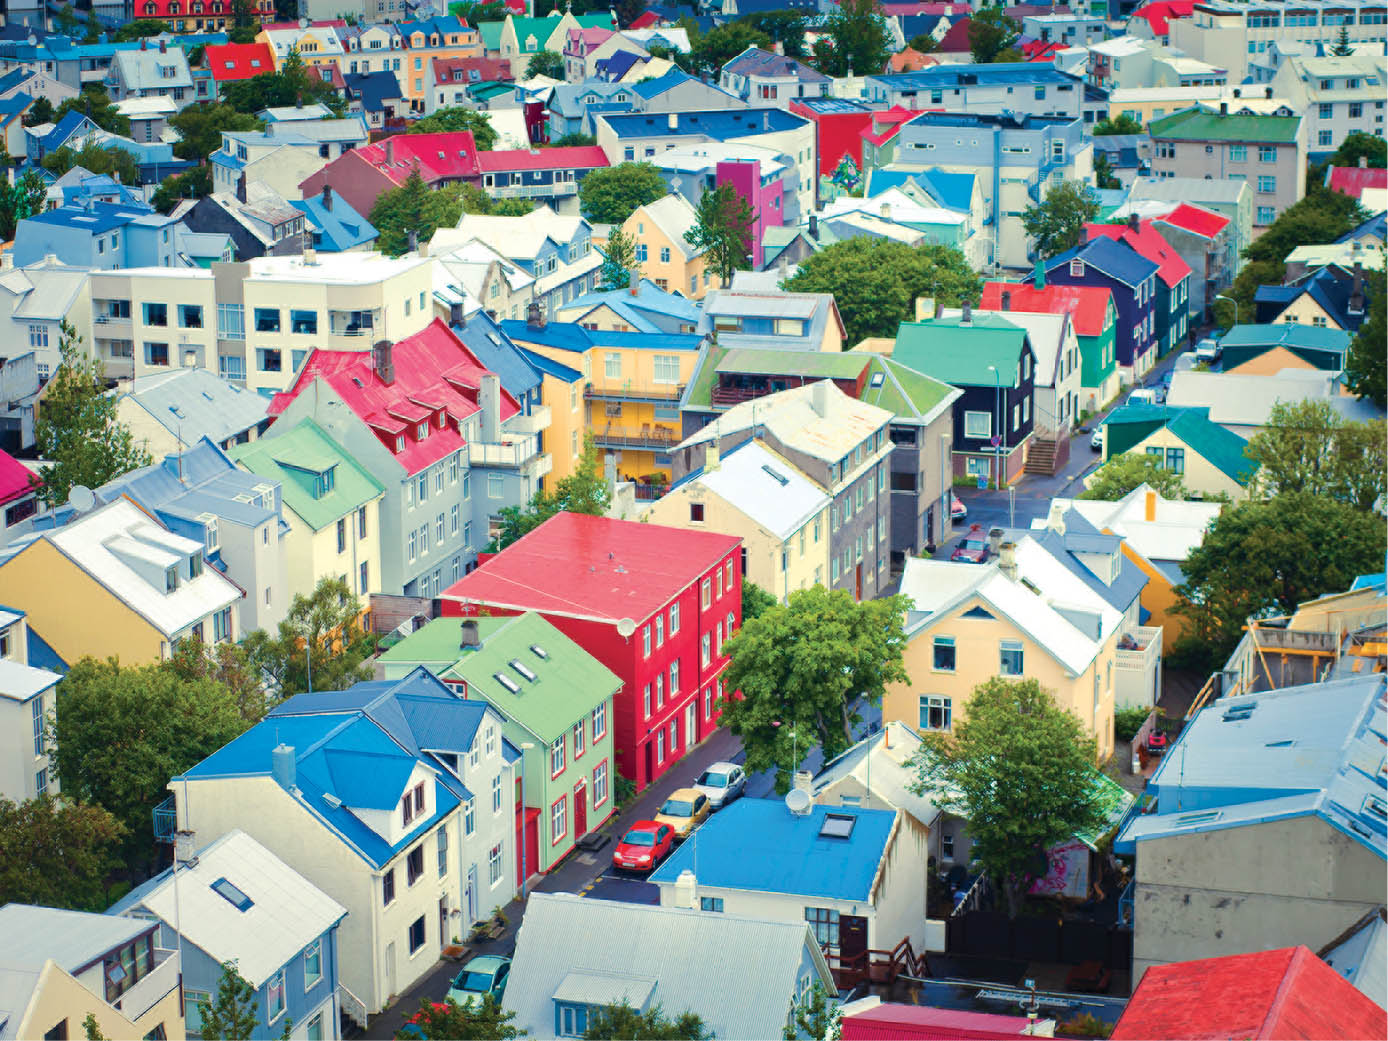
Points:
(502, 287)
(663, 253)
(781, 515)
(153, 319)
(1211, 460)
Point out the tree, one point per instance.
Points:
(450, 1021)
(1020, 770)
(876, 281)
(241, 34)
(1263, 558)
(1359, 145)
(1057, 224)
(802, 667)
(67, 21)
(814, 1016)
(723, 231)
(413, 207)
(291, 84)
(573, 140)
(141, 28)
(1342, 48)
(91, 1029)
(627, 11)
(320, 645)
(451, 120)
(1306, 446)
(41, 111)
(22, 199)
(612, 194)
(190, 184)
(202, 127)
(77, 430)
(583, 491)
(111, 160)
(94, 103)
(784, 27)
(924, 43)
(93, 29)
(755, 601)
(619, 260)
(122, 731)
(620, 1022)
(1103, 172)
(854, 38)
(1366, 366)
(233, 1015)
(57, 853)
(545, 63)
(476, 12)
(992, 34)
(1122, 125)
(715, 48)
(233, 665)
(1121, 474)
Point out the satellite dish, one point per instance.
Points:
(625, 627)
(798, 801)
(80, 498)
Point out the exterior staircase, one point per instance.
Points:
(1048, 452)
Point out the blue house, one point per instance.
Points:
(1132, 279)
(237, 902)
(648, 310)
(338, 228)
(485, 338)
(98, 235)
(72, 131)
(573, 105)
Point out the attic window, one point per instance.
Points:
(837, 825)
(1376, 807)
(776, 476)
(523, 669)
(539, 652)
(232, 895)
(506, 682)
(1239, 713)
(1190, 820)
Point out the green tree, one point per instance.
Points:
(1122, 125)
(320, 645)
(583, 491)
(784, 27)
(723, 231)
(1263, 558)
(451, 120)
(57, 853)
(93, 29)
(94, 103)
(612, 194)
(802, 667)
(190, 184)
(66, 21)
(202, 127)
(627, 11)
(923, 43)
(414, 207)
(1104, 176)
(474, 13)
(1057, 224)
(41, 111)
(233, 665)
(22, 199)
(1359, 145)
(111, 160)
(755, 601)
(715, 48)
(91, 1029)
(1342, 48)
(242, 34)
(992, 35)
(814, 1016)
(1306, 446)
(121, 732)
(1365, 370)
(854, 39)
(141, 28)
(620, 1022)
(574, 140)
(450, 1021)
(77, 430)
(292, 83)
(876, 281)
(1020, 770)
(1121, 474)
(619, 260)
(232, 1016)
(545, 63)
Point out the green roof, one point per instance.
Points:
(594, 21)
(949, 350)
(700, 393)
(816, 364)
(490, 33)
(541, 28)
(1221, 448)
(569, 682)
(437, 643)
(1196, 124)
(294, 457)
(1114, 801)
(904, 391)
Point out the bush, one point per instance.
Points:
(1128, 721)
(624, 790)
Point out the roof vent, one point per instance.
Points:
(837, 825)
(539, 651)
(468, 635)
(779, 478)
(332, 801)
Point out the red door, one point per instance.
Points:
(580, 810)
(858, 583)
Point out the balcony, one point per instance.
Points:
(538, 420)
(166, 820)
(354, 323)
(534, 191)
(509, 453)
(151, 990)
(628, 391)
(726, 397)
(645, 438)
(1138, 667)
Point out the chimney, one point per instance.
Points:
(310, 256)
(687, 891)
(766, 122)
(1055, 520)
(1238, 93)
(966, 316)
(241, 188)
(144, 44)
(1039, 275)
(819, 398)
(455, 314)
(804, 782)
(925, 307)
(634, 282)
(1224, 108)
(814, 227)
(1363, 162)
(163, 47)
(328, 198)
(994, 541)
(778, 48)
(1007, 560)
(382, 361)
(491, 408)
(1267, 93)
(282, 766)
(1150, 512)
(674, 120)
(1133, 222)
(390, 151)
(1356, 293)
(414, 241)
(939, 308)
(711, 457)
(468, 636)
(1007, 299)
(534, 317)
(886, 211)
(783, 266)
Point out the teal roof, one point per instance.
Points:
(438, 643)
(817, 364)
(1221, 448)
(491, 34)
(949, 350)
(295, 457)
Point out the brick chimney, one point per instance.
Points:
(1007, 300)
(241, 188)
(327, 197)
(1133, 222)
(382, 361)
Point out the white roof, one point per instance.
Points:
(673, 215)
(287, 911)
(1247, 399)
(466, 266)
(1119, 46)
(677, 36)
(21, 682)
(340, 268)
(520, 237)
(1370, 255)
(143, 108)
(893, 205)
(1177, 527)
(881, 763)
(765, 487)
(694, 157)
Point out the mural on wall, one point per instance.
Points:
(1068, 873)
(846, 179)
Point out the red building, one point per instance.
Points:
(653, 604)
(200, 15)
(229, 62)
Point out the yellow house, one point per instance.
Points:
(331, 505)
(1211, 460)
(444, 37)
(117, 583)
(317, 43)
(781, 515)
(664, 254)
(562, 391)
(1024, 617)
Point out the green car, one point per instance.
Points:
(485, 974)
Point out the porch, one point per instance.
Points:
(1137, 667)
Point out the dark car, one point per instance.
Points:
(644, 846)
(974, 548)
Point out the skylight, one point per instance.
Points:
(777, 476)
(539, 651)
(523, 669)
(232, 895)
(837, 825)
(877, 379)
(507, 682)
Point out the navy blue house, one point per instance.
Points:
(1133, 280)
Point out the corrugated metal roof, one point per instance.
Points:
(765, 487)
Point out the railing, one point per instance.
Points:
(513, 454)
(629, 392)
(877, 966)
(111, 319)
(1138, 667)
(538, 419)
(352, 1006)
(151, 990)
(165, 820)
(648, 492)
(534, 191)
(648, 437)
(737, 395)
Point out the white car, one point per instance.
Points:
(1097, 441)
(722, 783)
(1207, 351)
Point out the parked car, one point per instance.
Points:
(1207, 351)
(485, 974)
(957, 510)
(974, 548)
(644, 846)
(1157, 742)
(684, 811)
(722, 783)
(1143, 396)
(1097, 441)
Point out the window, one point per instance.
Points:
(825, 923)
(1077, 269)
(706, 593)
(314, 1030)
(660, 690)
(192, 1003)
(711, 903)
(1266, 215)
(416, 934)
(496, 486)
(269, 360)
(156, 314)
(496, 794)
(559, 819)
(156, 353)
(706, 649)
(1010, 658)
(274, 997)
(267, 320)
(1267, 185)
(660, 631)
(1176, 460)
(556, 757)
(944, 654)
(414, 865)
(600, 784)
(978, 425)
(1267, 154)
(313, 964)
(674, 619)
(469, 816)
(667, 368)
(572, 1020)
(646, 702)
(612, 365)
(935, 712)
(1238, 153)
(646, 642)
(1356, 110)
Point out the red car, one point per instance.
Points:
(644, 846)
(974, 548)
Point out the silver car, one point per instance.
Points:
(722, 783)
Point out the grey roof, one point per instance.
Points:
(815, 309)
(73, 939)
(738, 974)
(47, 291)
(193, 403)
(1360, 955)
(1246, 399)
(139, 70)
(881, 763)
(1187, 189)
(1082, 537)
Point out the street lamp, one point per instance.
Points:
(997, 404)
(947, 491)
(1221, 296)
(525, 747)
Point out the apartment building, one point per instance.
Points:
(1337, 96)
(765, 79)
(1023, 88)
(28, 698)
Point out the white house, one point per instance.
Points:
(27, 700)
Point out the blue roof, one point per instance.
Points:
(649, 299)
(717, 124)
(374, 88)
(1000, 74)
(1331, 293)
(494, 349)
(550, 367)
(1368, 582)
(99, 216)
(1082, 537)
(650, 88)
(617, 63)
(570, 336)
(43, 656)
(1115, 259)
(13, 79)
(202, 479)
(342, 227)
(64, 129)
(1375, 225)
(759, 845)
(441, 24)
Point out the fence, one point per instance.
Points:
(990, 934)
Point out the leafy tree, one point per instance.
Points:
(1263, 558)
(924, 43)
(41, 111)
(57, 853)
(814, 1016)
(94, 103)
(573, 140)
(202, 127)
(93, 29)
(190, 184)
(1342, 48)
(755, 601)
(242, 34)
(854, 38)
(233, 665)
(1020, 770)
(876, 281)
(784, 27)
(1306, 446)
(449, 1021)
(447, 120)
(413, 207)
(243, 14)
(1366, 363)
(583, 491)
(289, 85)
(612, 194)
(320, 645)
(91, 1029)
(122, 731)
(801, 667)
(545, 63)
(1104, 176)
(1360, 145)
(620, 1022)
(66, 21)
(77, 429)
(476, 13)
(723, 231)
(1122, 125)
(1121, 474)
(992, 35)
(141, 28)
(22, 199)
(233, 1015)
(111, 160)
(1057, 224)
(627, 11)
(715, 48)
(619, 260)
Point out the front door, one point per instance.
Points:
(691, 722)
(650, 762)
(444, 935)
(858, 583)
(580, 810)
(472, 894)
(853, 944)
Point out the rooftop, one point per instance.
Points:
(1088, 306)
(763, 486)
(295, 456)
(999, 74)
(985, 350)
(73, 939)
(1198, 124)
(715, 124)
(194, 403)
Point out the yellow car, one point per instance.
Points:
(684, 811)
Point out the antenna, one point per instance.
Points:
(626, 627)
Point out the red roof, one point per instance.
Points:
(488, 70)
(580, 157)
(437, 380)
(909, 1022)
(1042, 50)
(238, 61)
(1159, 14)
(645, 20)
(1195, 219)
(594, 567)
(1146, 241)
(884, 125)
(16, 479)
(1289, 995)
(1352, 180)
(956, 38)
(1087, 306)
(451, 155)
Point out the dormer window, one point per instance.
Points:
(400, 442)
(412, 805)
(421, 431)
(171, 578)
(324, 481)
(195, 565)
